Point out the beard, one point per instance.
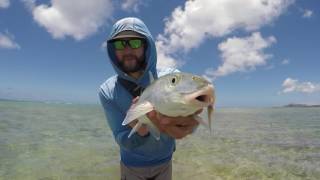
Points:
(131, 63)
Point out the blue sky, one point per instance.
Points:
(257, 53)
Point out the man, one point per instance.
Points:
(132, 53)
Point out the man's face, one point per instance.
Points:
(130, 59)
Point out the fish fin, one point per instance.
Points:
(210, 112)
(151, 127)
(134, 129)
(137, 110)
(151, 78)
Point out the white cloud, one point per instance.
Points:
(271, 66)
(293, 85)
(30, 4)
(103, 46)
(190, 25)
(7, 41)
(131, 5)
(199, 20)
(285, 62)
(307, 13)
(4, 3)
(164, 60)
(75, 18)
(209, 74)
(242, 54)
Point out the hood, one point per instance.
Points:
(134, 24)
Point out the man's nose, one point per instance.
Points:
(127, 50)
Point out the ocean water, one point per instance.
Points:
(67, 141)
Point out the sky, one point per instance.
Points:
(256, 52)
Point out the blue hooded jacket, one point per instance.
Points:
(137, 150)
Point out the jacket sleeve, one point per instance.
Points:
(114, 118)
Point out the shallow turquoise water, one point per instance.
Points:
(58, 141)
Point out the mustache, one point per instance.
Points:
(130, 57)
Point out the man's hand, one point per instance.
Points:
(142, 131)
(176, 127)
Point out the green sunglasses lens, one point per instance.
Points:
(119, 45)
(135, 43)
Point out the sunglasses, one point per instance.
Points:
(133, 43)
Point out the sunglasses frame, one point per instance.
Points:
(126, 42)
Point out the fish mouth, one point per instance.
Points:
(203, 97)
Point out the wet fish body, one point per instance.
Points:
(176, 94)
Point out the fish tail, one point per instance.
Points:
(151, 127)
(135, 128)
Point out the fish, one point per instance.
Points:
(175, 94)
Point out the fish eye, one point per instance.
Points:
(174, 80)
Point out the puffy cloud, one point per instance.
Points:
(285, 62)
(131, 5)
(75, 18)
(30, 4)
(7, 41)
(190, 25)
(242, 54)
(4, 3)
(164, 60)
(199, 20)
(293, 85)
(271, 66)
(209, 74)
(307, 13)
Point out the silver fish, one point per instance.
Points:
(176, 94)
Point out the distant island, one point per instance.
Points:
(1, 99)
(301, 105)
